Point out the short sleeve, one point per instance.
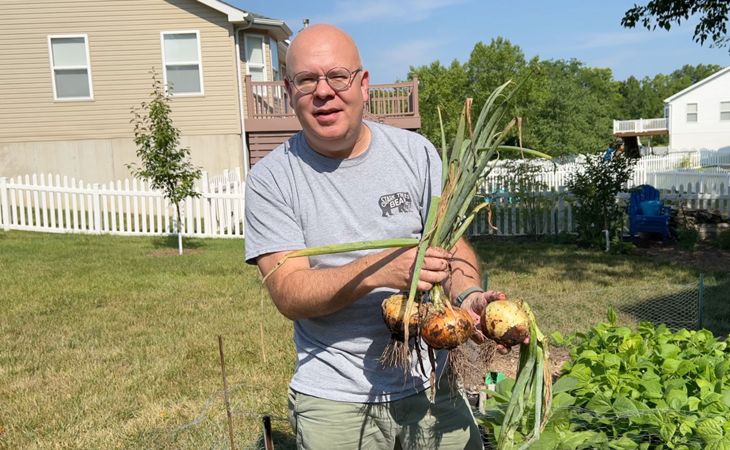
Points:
(271, 223)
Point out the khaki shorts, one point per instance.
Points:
(409, 423)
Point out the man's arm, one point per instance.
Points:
(300, 292)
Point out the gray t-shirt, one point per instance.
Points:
(297, 198)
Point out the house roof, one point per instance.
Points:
(717, 74)
(238, 16)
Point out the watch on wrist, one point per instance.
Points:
(464, 294)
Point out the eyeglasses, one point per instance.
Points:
(338, 78)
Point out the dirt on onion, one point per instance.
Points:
(505, 322)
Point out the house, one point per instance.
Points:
(696, 118)
(72, 70)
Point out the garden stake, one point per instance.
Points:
(268, 441)
(225, 392)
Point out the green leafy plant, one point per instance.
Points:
(164, 163)
(594, 191)
(648, 388)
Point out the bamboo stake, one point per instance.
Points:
(225, 392)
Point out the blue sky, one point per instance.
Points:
(394, 35)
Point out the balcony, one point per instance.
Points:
(268, 108)
(640, 127)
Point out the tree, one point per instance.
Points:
(570, 108)
(594, 193)
(713, 17)
(165, 164)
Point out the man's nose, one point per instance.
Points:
(322, 88)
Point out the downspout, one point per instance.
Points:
(242, 119)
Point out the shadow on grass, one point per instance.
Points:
(170, 241)
(281, 440)
(528, 255)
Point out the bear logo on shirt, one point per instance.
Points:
(396, 202)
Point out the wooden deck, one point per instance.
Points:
(270, 119)
(640, 127)
(268, 106)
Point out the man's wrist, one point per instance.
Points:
(466, 293)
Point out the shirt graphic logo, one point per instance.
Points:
(396, 202)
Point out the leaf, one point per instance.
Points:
(670, 366)
(652, 388)
(676, 399)
(710, 429)
(624, 407)
(565, 384)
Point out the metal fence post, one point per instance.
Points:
(701, 301)
(4, 204)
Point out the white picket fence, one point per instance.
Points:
(661, 172)
(508, 216)
(52, 203)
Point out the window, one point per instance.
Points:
(70, 67)
(181, 60)
(724, 111)
(255, 57)
(274, 47)
(691, 112)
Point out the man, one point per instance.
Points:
(344, 180)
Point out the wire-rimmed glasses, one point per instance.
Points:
(338, 78)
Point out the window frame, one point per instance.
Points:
(275, 68)
(725, 111)
(696, 113)
(263, 54)
(199, 63)
(53, 67)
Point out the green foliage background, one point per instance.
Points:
(566, 107)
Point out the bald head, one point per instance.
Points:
(322, 46)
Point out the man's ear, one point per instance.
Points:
(365, 85)
(288, 88)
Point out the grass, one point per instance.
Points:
(111, 342)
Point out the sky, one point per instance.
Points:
(394, 35)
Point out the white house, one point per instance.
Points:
(699, 116)
(695, 118)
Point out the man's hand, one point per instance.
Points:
(435, 269)
(474, 305)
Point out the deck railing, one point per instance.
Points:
(270, 100)
(639, 126)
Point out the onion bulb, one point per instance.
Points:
(505, 322)
(447, 328)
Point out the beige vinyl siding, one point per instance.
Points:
(124, 45)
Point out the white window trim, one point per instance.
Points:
(263, 53)
(724, 110)
(199, 63)
(275, 70)
(90, 98)
(696, 113)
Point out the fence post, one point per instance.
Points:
(701, 301)
(4, 204)
(96, 204)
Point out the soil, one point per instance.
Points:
(489, 360)
(703, 258)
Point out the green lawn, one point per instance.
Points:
(111, 342)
